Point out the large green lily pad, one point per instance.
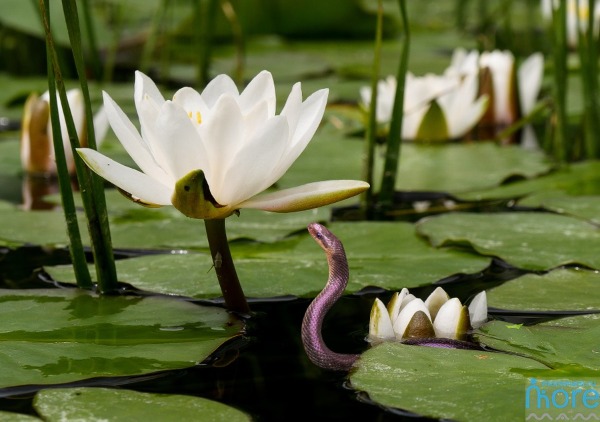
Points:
(387, 255)
(569, 345)
(462, 385)
(529, 240)
(468, 385)
(558, 290)
(444, 168)
(125, 405)
(575, 179)
(586, 207)
(63, 335)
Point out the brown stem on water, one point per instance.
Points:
(235, 300)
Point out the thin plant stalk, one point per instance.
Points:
(559, 38)
(234, 297)
(588, 55)
(94, 52)
(205, 16)
(238, 39)
(82, 274)
(92, 188)
(371, 132)
(153, 34)
(392, 154)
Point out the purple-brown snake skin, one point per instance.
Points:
(315, 347)
(312, 339)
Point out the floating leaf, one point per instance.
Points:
(586, 207)
(125, 405)
(558, 290)
(466, 385)
(576, 179)
(443, 168)
(568, 344)
(63, 335)
(528, 240)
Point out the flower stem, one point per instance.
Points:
(224, 267)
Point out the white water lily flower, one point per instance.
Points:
(37, 147)
(213, 153)
(577, 17)
(439, 316)
(436, 107)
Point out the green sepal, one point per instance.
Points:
(193, 199)
(433, 127)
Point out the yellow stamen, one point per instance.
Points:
(198, 116)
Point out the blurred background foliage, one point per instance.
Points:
(132, 34)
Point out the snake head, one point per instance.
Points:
(323, 237)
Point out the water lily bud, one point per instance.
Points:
(452, 320)
(435, 300)
(380, 325)
(478, 310)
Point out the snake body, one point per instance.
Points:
(315, 346)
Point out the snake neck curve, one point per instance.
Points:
(312, 324)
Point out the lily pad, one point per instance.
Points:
(125, 405)
(17, 417)
(558, 290)
(528, 240)
(575, 179)
(568, 344)
(443, 168)
(586, 207)
(465, 385)
(63, 335)
(387, 255)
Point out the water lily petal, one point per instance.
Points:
(140, 186)
(131, 140)
(220, 85)
(292, 107)
(436, 300)
(501, 65)
(380, 325)
(394, 306)
(222, 134)
(311, 113)
(452, 320)
(530, 76)
(406, 315)
(478, 310)
(304, 197)
(101, 125)
(147, 98)
(192, 102)
(146, 86)
(261, 88)
(249, 170)
(178, 147)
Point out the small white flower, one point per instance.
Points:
(213, 153)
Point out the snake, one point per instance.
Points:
(312, 324)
